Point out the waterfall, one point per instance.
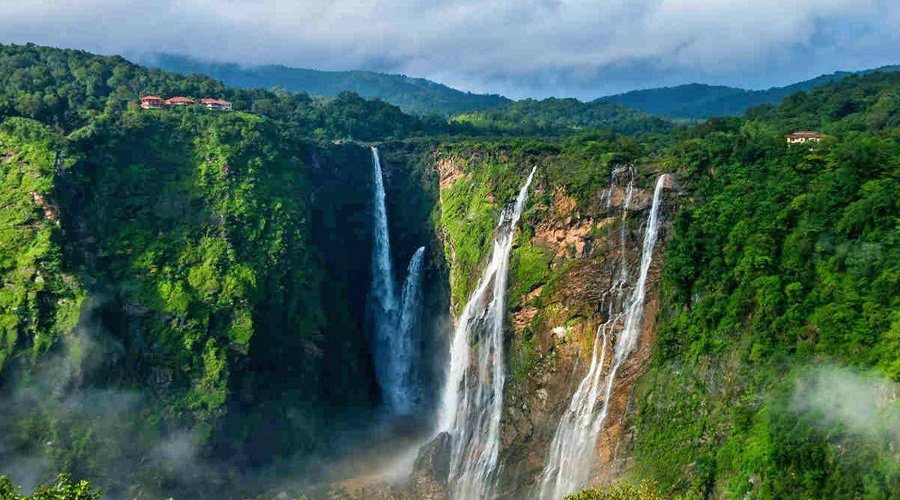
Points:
(572, 454)
(473, 395)
(394, 321)
(406, 352)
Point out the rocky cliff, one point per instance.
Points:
(566, 255)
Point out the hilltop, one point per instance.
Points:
(412, 95)
(698, 101)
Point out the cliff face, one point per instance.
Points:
(565, 258)
(564, 316)
(208, 275)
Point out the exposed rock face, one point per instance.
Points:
(449, 169)
(553, 326)
(564, 317)
(429, 477)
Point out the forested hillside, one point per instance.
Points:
(779, 333)
(183, 290)
(563, 116)
(413, 95)
(699, 101)
(68, 88)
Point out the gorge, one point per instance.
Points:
(338, 300)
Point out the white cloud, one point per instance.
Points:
(488, 44)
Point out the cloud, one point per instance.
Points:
(527, 46)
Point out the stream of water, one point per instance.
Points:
(473, 397)
(572, 452)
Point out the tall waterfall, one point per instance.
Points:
(473, 395)
(406, 361)
(394, 320)
(572, 454)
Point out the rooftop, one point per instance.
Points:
(807, 134)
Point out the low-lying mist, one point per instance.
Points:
(864, 403)
(70, 412)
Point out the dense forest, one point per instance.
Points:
(697, 101)
(68, 88)
(781, 305)
(563, 116)
(183, 299)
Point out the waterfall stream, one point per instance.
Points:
(572, 454)
(407, 359)
(395, 321)
(473, 396)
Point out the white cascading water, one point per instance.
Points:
(572, 454)
(393, 345)
(473, 395)
(406, 358)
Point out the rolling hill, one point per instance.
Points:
(698, 101)
(412, 95)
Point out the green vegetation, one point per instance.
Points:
(412, 95)
(187, 271)
(645, 490)
(781, 263)
(63, 489)
(39, 302)
(697, 101)
(68, 88)
(563, 116)
(786, 257)
(158, 272)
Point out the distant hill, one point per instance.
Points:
(562, 116)
(698, 101)
(412, 95)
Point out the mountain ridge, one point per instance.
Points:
(412, 95)
(699, 100)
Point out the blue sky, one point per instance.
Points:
(581, 48)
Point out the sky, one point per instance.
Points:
(518, 48)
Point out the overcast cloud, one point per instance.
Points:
(585, 48)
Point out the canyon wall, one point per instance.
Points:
(564, 258)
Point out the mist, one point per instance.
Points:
(865, 403)
(60, 413)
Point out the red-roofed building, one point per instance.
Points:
(180, 101)
(152, 102)
(216, 104)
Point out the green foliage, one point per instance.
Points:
(68, 88)
(412, 95)
(189, 228)
(784, 256)
(645, 490)
(563, 116)
(38, 302)
(530, 268)
(63, 489)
